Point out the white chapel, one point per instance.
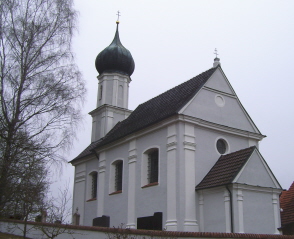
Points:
(186, 160)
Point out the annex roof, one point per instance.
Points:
(287, 204)
(152, 111)
(226, 169)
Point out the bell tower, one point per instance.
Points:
(115, 66)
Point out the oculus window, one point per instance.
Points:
(222, 146)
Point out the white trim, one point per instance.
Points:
(276, 210)
(240, 210)
(131, 220)
(201, 211)
(227, 211)
(101, 184)
(219, 92)
(256, 188)
(172, 120)
(190, 221)
(171, 185)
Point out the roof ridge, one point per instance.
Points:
(156, 109)
(179, 85)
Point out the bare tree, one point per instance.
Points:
(57, 211)
(41, 92)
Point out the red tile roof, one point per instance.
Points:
(287, 204)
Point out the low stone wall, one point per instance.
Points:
(76, 232)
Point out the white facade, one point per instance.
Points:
(186, 145)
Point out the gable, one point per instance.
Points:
(219, 82)
(216, 102)
(256, 173)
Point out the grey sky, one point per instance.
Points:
(173, 41)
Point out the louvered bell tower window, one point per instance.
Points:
(153, 167)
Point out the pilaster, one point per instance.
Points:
(276, 212)
(201, 211)
(132, 161)
(227, 211)
(171, 148)
(190, 222)
(101, 184)
(240, 210)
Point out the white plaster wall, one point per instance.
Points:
(79, 190)
(214, 211)
(218, 81)
(90, 206)
(108, 92)
(148, 200)
(206, 152)
(115, 205)
(258, 212)
(152, 199)
(231, 114)
(256, 173)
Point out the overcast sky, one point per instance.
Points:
(173, 41)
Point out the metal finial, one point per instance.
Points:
(215, 52)
(118, 15)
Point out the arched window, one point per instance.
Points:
(93, 178)
(116, 177)
(150, 167)
(152, 175)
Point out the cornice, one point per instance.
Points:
(183, 118)
(112, 108)
(219, 127)
(83, 159)
(256, 188)
(219, 92)
(113, 74)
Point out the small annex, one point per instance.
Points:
(186, 160)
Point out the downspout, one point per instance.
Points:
(231, 208)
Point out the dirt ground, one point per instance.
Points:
(9, 236)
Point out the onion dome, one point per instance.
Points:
(115, 58)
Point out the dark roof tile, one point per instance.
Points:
(226, 168)
(153, 111)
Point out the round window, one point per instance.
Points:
(221, 146)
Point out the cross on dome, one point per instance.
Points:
(215, 52)
(118, 15)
